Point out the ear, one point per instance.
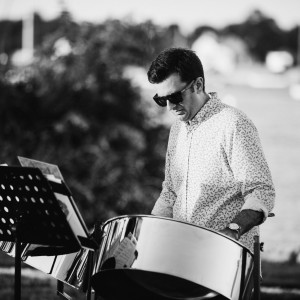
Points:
(199, 84)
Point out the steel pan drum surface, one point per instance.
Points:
(169, 258)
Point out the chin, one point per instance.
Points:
(183, 118)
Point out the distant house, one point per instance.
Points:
(221, 54)
(279, 61)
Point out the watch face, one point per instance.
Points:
(234, 226)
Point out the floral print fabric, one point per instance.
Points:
(215, 167)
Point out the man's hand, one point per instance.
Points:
(246, 219)
(231, 233)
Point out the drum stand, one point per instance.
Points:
(257, 267)
(258, 247)
(30, 213)
(92, 245)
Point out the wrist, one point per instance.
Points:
(236, 228)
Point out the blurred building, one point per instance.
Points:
(279, 61)
(221, 54)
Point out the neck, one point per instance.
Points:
(203, 98)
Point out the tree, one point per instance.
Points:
(76, 110)
(260, 33)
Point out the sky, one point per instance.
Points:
(188, 14)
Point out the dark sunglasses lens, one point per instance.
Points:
(160, 101)
(176, 98)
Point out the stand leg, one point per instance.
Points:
(90, 273)
(256, 275)
(18, 269)
(60, 291)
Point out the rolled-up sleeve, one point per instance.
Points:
(250, 168)
(164, 204)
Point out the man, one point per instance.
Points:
(216, 174)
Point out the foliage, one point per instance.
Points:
(260, 33)
(281, 274)
(75, 109)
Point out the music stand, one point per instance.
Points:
(30, 213)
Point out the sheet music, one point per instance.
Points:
(67, 208)
(46, 168)
(52, 173)
(125, 252)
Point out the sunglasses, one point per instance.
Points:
(174, 98)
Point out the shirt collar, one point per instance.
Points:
(206, 110)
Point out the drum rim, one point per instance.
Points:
(183, 222)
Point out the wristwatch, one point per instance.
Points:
(235, 227)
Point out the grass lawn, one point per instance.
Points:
(45, 289)
(275, 274)
(285, 275)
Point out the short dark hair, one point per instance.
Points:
(182, 61)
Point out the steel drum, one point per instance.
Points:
(146, 257)
(150, 257)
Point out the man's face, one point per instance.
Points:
(185, 110)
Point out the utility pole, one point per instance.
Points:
(298, 54)
(28, 33)
(24, 56)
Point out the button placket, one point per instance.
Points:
(189, 137)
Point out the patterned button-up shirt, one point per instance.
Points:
(215, 167)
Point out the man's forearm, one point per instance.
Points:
(247, 219)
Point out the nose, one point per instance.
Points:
(170, 105)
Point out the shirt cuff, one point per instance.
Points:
(162, 209)
(255, 204)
